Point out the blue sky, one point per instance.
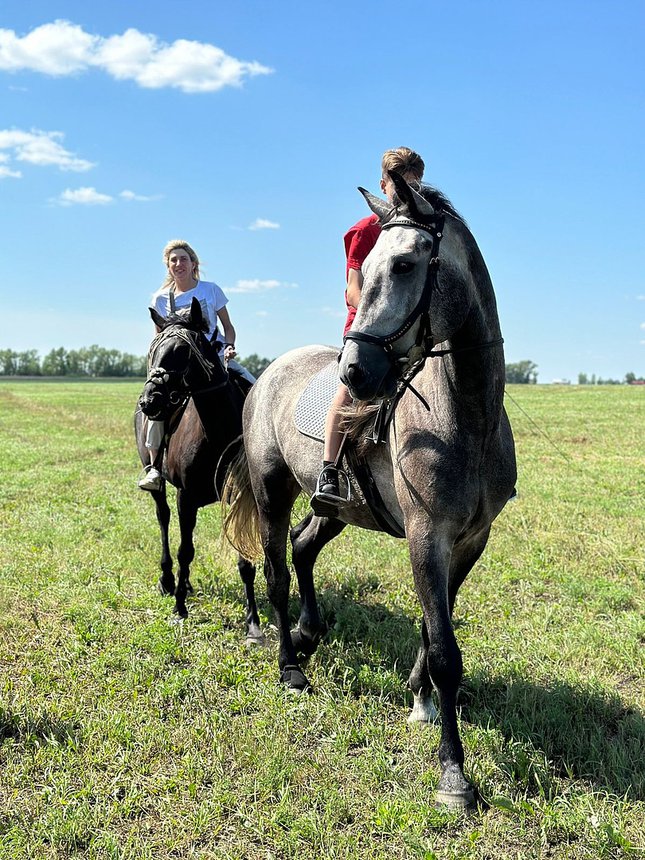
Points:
(246, 127)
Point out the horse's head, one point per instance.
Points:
(181, 361)
(407, 303)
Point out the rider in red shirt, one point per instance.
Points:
(359, 241)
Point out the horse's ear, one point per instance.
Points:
(379, 207)
(196, 315)
(157, 319)
(418, 205)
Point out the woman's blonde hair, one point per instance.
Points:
(403, 161)
(167, 251)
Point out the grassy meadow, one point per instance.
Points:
(124, 734)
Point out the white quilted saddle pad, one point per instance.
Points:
(314, 402)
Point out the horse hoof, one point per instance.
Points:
(454, 792)
(456, 801)
(423, 710)
(180, 611)
(294, 680)
(255, 639)
(164, 589)
(305, 645)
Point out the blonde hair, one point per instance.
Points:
(173, 245)
(403, 161)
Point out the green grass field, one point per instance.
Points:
(124, 734)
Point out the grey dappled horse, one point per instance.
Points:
(447, 465)
(189, 389)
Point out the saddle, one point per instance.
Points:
(310, 415)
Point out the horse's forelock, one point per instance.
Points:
(184, 319)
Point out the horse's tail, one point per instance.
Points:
(241, 524)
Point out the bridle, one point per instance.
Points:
(174, 384)
(414, 360)
(424, 341)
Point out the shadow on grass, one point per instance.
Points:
(36, 729)
(587, 733)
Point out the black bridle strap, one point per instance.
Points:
(438, 353)
(435, 229)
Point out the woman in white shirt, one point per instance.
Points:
(181, 286)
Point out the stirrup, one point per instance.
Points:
(326, 504)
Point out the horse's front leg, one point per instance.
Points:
(254, 634)
(307, 540)
(166, 582)
(430, 559)
(187, 511)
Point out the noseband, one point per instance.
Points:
(424, 340)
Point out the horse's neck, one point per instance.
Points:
(220, 415)
(468, 383)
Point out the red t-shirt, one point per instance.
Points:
(359, 241)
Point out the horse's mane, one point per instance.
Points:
(438, 200)
(357, 420)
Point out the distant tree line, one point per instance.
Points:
(521, 372)
(89, 361)
(98, 361)
(526, 372)
(630, 379)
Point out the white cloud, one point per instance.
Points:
(642, 325)
(141, 198)
(7, 172)
(42, 148)
(83, 197)
(63, 48)
(264, 224)
(262, 313)
(258, 286)
(60, 48)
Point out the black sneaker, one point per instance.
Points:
(328, 483)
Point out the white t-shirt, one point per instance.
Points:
(210, 297)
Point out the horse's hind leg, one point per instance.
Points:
(166, 582)
(307, 540)
(461, 563)
(275, 494)
(187, 510)
(254, 634)
(423, 709)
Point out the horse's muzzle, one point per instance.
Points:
(368, 372)
(151, 404)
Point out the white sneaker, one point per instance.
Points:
(151, 480)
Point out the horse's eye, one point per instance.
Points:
(402, 267)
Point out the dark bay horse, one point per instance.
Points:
(190, 390)
(425, 343)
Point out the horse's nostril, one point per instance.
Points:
(354, 374)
